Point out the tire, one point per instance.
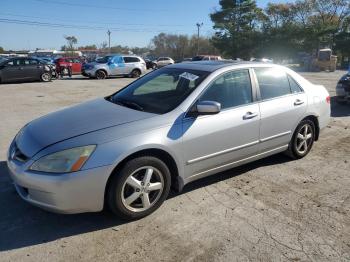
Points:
(100, 74)
(128, 195)
(300, 136)
(46, 77)
(65, 71)
(136, 73)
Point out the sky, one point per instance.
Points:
(132, 23)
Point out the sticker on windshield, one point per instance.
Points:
(189, 76)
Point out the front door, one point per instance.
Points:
(213, 143)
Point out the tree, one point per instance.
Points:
(71, 41)
(1, 50)
(88, 47)
(237, 27)
(180, 46)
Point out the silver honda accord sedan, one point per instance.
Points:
(166, 129)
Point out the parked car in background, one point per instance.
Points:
(24, 69)
(149, 64)
(162, 61)
(343, 89)
(75, 62)
(115, 65)
(175, 125)
(51, 64)
(206, 58)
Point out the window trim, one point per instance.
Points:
(255, 100)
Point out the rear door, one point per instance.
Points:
(32, 69)
(131, 63)
(76, 65)
(282, 105)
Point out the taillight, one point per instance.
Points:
(328, 99)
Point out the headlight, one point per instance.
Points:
(65, 161)
(47, 68)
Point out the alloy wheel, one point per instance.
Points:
(142, 189)
(304, 139)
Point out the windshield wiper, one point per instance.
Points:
(129, 104)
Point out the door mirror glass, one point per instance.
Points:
(208, 107)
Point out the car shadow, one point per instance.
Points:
(23, 225)
(339, 110)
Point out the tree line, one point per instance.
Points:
(281, 30)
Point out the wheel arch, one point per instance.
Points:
(163, 155)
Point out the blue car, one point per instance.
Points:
(115, 65)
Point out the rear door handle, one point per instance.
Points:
(298, 102)
(250, 115)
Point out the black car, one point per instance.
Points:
(150, 64)
(24, 69)
(343, 89)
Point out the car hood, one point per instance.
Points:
(72, 122)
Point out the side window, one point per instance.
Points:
(294, 86)
(76, 60)
(273, 82)
(11, 63)
(230, 90)
(131, 59)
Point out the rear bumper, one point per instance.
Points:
(77, 192)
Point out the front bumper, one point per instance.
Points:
(70, 193)
(88, 73)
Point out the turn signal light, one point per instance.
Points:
(328, 99)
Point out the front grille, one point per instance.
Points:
(16, 154)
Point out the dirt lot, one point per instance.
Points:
(271, 210)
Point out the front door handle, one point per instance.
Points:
(298, 102)
(250, 115)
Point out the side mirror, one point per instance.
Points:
(208, 107)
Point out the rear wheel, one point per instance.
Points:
(46, 77)
(302, 140)
(135, 73)
(100, 74)
(139, 188)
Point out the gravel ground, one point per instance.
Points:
(274, 209)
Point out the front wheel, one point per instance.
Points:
(302, 140)
(46, 77)
(139, 188)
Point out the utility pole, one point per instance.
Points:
(199, 25)
(109, 41)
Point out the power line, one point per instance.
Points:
(101, 7)
(93, 22)
(69, 26)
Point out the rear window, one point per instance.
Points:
(131, 59)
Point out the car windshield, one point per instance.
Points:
(160, 91)
(103, 60)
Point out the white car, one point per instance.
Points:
(162, 61)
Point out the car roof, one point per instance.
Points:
(211, 66)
